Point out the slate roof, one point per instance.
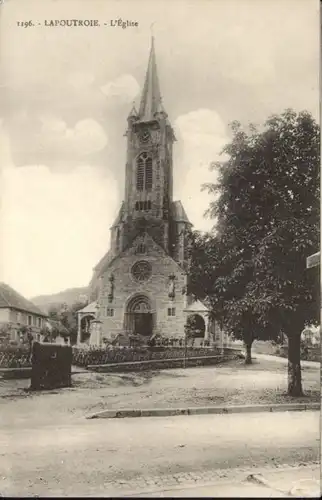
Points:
(90, 308)
(197, 306)
(178, 212)
(119, 216)
(151, 102)
(11, 299)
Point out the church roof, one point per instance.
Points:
(11, 299)
(90, 308)
(119, 215)
(197, 306)
(151, 102)
(104, 260)
(107, 260)
(133, 113)
(178, 212)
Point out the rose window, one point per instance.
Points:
(141, 271)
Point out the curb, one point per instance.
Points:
(25, 372)
(208, 410)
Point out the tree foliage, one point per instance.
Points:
(67, 317)
(266, 212)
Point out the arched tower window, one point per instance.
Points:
(117, 239)
(144, 172)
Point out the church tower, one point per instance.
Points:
(139, 287)
(149, 169)
(140, 284)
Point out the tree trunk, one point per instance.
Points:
(248, 338)
(248, 357)
(294, 366)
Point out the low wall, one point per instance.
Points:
(157, 358)
(104, 356)
(159, 364)
(14, 357)
(15, 373)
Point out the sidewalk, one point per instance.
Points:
(270, 357)
(290, 482)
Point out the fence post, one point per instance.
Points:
(185, 349)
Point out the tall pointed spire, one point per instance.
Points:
(151, 96)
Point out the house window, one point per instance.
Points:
(144, 172)
(109, 312)
(18, 317)
(29, 320)
(171, 311)
(39, 322)
(34, 320)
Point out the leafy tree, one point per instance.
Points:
(67, 316)
(219, 275)
(266, 208)
(5, 332)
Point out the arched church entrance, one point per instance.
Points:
(197, 325)
(139, 316)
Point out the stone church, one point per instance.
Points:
(139, 286)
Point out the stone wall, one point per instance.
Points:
(163, 364)
(156, 288)
(121, 355)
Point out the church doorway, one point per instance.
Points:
(139, 316)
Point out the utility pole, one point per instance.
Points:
(314, 260)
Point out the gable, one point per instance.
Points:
(197, 306)
(152, 249)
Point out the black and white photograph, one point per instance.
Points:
(160, 248)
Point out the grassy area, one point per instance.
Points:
(232, 383)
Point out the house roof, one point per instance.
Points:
(11, 299)
(197, 306)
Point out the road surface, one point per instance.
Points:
(89, 457)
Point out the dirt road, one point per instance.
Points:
(90, 457)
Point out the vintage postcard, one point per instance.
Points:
(160, 248)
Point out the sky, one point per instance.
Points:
(65, 94)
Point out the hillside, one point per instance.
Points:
(68, 296)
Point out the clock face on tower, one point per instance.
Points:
(144, 136)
